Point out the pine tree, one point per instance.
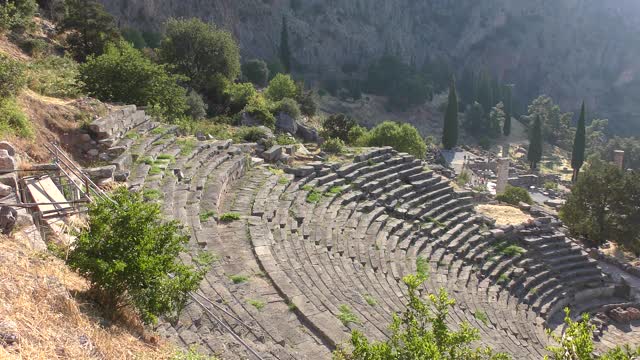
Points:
(577, 157)
(285, 52)
(506, 128)
(535, 143)
(450, 129)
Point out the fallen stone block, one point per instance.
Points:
(103, 172)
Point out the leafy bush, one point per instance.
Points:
(258, 107)
(123, 74)
(55, 76)
(280, 87)
(228, 217)
(514, 195)
(275, 68)
(338, 126)
(200, 51)
(238, 95)
(34, 47)
(196, 107)
(251, 133)
(13, 120)
(88, 28)
(12, 77)
(289, 107)
(17, 14)
(420, 332)
(129, 254)
(402, 137)
(357, 136)
(308, 105)
(256, 71)
(134, 37)
(333, 146)
(285, 139)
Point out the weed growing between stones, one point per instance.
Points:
(313, 196)
(205, 216)
(229, 217)
(238, 279)
(151, 194)
(258, 304)
(187, 146)
(481, 316)
(422, 266)
(283, 180)
(347, 316)
(370, 300)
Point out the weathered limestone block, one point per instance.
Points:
(103, 172)
(4, 145)
(5, 190)
(8, 217)
(7, 162)
(273, 154)
(286, 123)
(624, 315)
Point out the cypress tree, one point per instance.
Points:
(577, 156)
(535, 143)
(450, 128)
(285, 52)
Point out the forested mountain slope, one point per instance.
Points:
(568, 49)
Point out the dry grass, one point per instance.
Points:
(504, 215)
(54, 320)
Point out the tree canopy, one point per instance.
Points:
(534, 154)
(450, 128)
(90, 27)
(577, 156)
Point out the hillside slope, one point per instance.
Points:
(568, 49)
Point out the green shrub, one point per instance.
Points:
(550, 185)
(338, 126)
(481, 316)
(238, 279)
(129, 254)
(196, 107)
(12, 77)
(463, 178)
(55, 76)
(256, 71)
(308, 105)
(229, 217)
(251, 133)
(370, 300)
(205, 216)
(124, 74)
(514, 195)
(280, 87)
(34, 47)
(187, 145)
(346, 316)
(134, 37)
(13, 120)
(357, 136)
(402, 137)
(258, 304)
(333, 146)
(238, 95)
(289, 107)
(17, 14)
(313, 196)
(284, 139)
(258, 107)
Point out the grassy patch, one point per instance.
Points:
(334, 190)
(158, 142)
(307, 188)
(165, 157)
(481, 316)
(313, 196)
(13, 120)
(132, 135)
(503, 279)
(422, 266)
(229, 217)
(157, 130)
(504, 248)
(435, 222)
(205, 258)
(187, 145)
(145, 160)
(463, 178)
(370, 300)
(258, 304)
(155, 170)
(347, 316)
(276, 171)
(238, 279)
(207, 215)
(152, 194)
(283, 180)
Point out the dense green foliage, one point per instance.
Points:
(401, 136)
(124, 74)
(556, 125)
(201, 52)
(285, 51)
(12, 77)
(515, 195)
(196, 107)
(134, 37)
(630, 146)
(289, 107)
(238, 95)
(603, 205)
(420, 332)
(338, 126)
(450, 128)
(496, 120)
(577, 156)
(576, 343)
(534, 154)
(256, 71)
(89, 26)
(17, 14)
(130, 255)
(280, 87)
(508, 109)
(55, 76)
(259, 108)
(333, 146)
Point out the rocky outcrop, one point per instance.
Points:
(543, 46)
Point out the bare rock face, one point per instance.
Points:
(624, 315)
(531, 43)
(8, 218)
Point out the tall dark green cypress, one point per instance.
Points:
(506, 127)
(579, 143)
(285, 52)
(450, 128)
(534, 154)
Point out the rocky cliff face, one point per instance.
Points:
(569, 49)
